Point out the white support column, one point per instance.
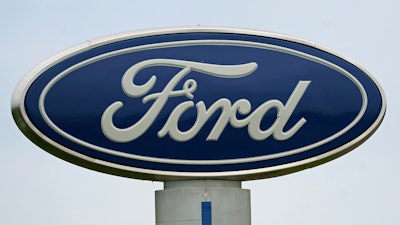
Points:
(180, 203)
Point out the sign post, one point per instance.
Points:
(203, 202)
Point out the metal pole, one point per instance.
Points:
(203, 202)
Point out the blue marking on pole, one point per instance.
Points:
(206, 213)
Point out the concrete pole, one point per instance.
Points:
(181, 203)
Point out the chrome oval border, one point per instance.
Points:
(27, 127)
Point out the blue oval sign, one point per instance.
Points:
(198, 103)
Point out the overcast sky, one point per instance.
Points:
(361, 187)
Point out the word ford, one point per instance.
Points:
(229, 110)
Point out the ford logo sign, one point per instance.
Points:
(198, 103)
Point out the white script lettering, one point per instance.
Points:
(228, 110)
